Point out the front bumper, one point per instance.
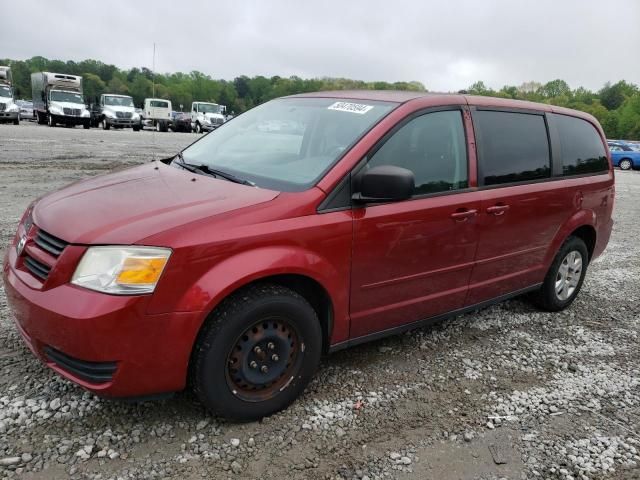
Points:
(12, 116)
(124, 122)
(108, 344)
(70, 119)
(210, 126)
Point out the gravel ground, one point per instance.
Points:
(505, 392)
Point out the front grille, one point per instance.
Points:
(37, 268)
(49, 243)
(124, 114)
(217, 121)
(71, 111)
(93, 372)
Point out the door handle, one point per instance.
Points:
(461, 216)
(497, 209)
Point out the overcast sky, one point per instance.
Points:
(446, 44)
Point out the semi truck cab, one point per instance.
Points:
(118, 111)
(9, 111)
(206, 116)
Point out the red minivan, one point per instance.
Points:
(306, 225)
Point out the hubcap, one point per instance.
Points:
(625, 164)
(264, 360)
(569, 275)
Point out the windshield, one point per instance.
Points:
(287, 144)
(119, 101)
(5, 91)
(70, 97)
(208, 108)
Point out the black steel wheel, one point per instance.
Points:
(256, 353)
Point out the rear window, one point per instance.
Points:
(512, 147)
(582, 147)
(159, 104)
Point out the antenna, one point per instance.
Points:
(153, 71)
(153, 95)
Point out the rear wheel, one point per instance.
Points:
(625, 164)
(565, 276)
(257, 353)
(158, 127)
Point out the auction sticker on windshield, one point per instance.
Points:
(350, 107)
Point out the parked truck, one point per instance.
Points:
(58, 99)
(116, 111)
(206, 116)
(157, 113)
(9, 111)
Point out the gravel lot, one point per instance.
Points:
(505, 392)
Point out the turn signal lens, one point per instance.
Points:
(136, 271)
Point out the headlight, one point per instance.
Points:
(121, 270)
(55, 110)
(85, 113)
(109, 114)
(135, 116)
(207, 120)
(13, 108)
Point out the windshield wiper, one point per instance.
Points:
(211, 171)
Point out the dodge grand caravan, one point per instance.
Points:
(234, 265)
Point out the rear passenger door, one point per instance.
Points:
(520, 210)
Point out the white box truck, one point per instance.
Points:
(157, 113)
(206, 116)
(9, 111)
(58, 99)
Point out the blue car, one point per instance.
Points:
(624, 156)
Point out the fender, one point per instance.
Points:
(577, 220)
(243, 268)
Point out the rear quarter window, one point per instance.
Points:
(582, 148)
(512, 147)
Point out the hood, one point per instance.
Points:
(67, 105)
(118, 108)
(128, 206)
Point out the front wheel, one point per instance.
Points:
(257, 352)
(625, 164)
(565, 276)
(50, 121)
(198, 128)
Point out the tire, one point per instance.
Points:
(625, 164)
(158, 127)
(136, 128)
(50, 121)
(198, 127)
(243, 332)
(105, 124)
(16, 122)
(562, 283)
(86, 125)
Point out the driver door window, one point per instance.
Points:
(433, 147)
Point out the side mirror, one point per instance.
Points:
(386, 183)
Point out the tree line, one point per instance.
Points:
(616, 106)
